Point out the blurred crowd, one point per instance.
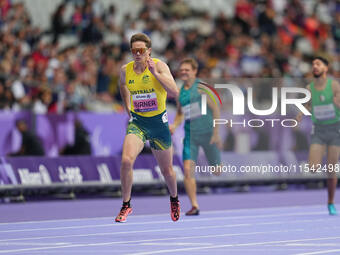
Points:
(263, 38)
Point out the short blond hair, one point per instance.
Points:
(190, 61)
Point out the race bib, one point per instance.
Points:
(191, 111)
(145, 102)
(165, 117)
(324, 112)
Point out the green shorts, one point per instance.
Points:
(154, 129)
(328, 134)
(191, 148)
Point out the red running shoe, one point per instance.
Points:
(124, 212)
(193, 211)
(175, 210)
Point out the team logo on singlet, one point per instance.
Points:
(322, 98)
(146, 78)
(131, 81)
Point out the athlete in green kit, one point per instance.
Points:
(325, 137)
(199, 130)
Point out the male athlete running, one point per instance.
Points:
(325, 110)
(144, 84)
(199, 131)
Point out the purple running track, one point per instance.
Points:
(289, 222)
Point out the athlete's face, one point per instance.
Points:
(319, 68)
(187, 72)
(140, 52)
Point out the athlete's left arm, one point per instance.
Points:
(162, 73)
(215, 138)
(336, 93)
(178, 118)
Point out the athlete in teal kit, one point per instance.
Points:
(199, 130)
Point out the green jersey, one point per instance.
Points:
(190, 101)
(324, 111)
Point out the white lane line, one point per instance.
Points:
(143, 241)
(320, 252)
(199, 219)
(236, 245)
(312, 244)
(34, 244)
(184, 249)
(162, 214)
(130, 232)
(167, 229)
(176, 244)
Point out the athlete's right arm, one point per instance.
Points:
(178, 119)
(124, 91)
(307, 105)
(336, 92)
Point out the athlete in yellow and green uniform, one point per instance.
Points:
(148, 102)
(144, 84)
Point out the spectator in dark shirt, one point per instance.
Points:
(31, 144)
(82, 145)
(58, 26)
(93, 32)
